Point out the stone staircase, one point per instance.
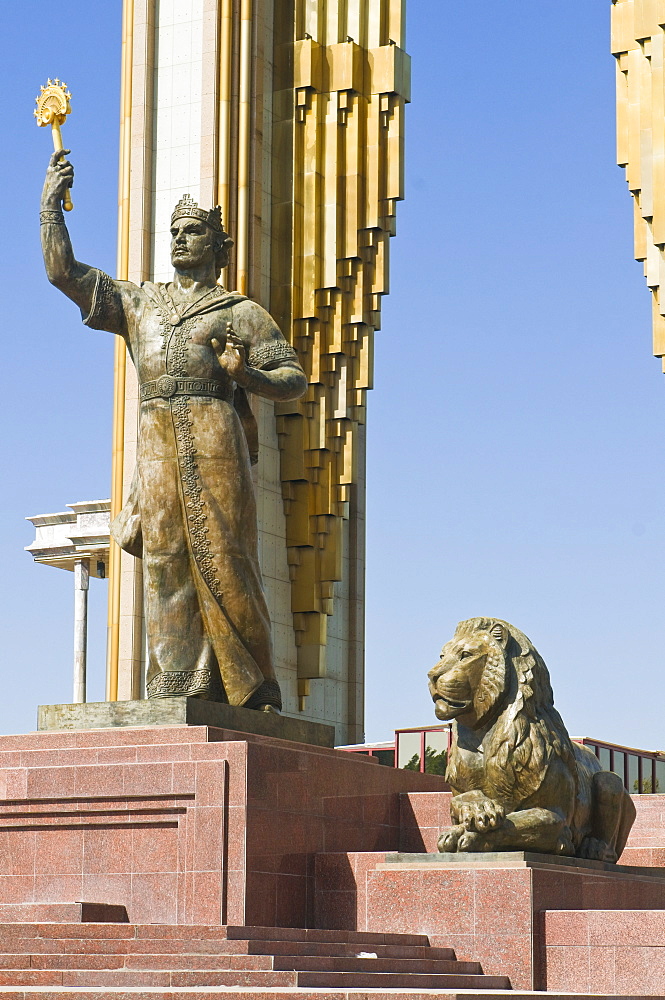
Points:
(93, 955)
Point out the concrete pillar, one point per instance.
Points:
(81, 582)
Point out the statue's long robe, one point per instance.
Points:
(192, 512)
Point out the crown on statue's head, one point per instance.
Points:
(187, 206)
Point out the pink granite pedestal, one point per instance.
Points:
(186, 824)
(490, 909)
(510, 914)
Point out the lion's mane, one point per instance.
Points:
(528, 732)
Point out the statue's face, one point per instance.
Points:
(192, 244)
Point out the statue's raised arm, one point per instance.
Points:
(76, 280)
(103, 302)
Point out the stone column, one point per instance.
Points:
(81, 582)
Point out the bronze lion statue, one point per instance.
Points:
(519, 783)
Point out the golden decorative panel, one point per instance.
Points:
(351, 82)
(638, 42)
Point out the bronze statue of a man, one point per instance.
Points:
(191, 515)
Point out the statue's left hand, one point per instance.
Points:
(232, 356)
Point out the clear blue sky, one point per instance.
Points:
(516, 464)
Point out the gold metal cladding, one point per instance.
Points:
(53, 106)
(638, 43)
(350, 88)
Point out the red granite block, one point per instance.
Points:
(349, 808)
(79, 931)
(89, 978)
(339, 910)
(181, 932)
(9, 759)
(624, 951)
(292, 794)
(567, 928)
(125, 755)
(72, 946)
(106, 780)
(233, 905)
(508, 954)
(32, 912)
(649, 827)
(396, 898)
(335, 872)
(205, 904)
(210, 780)
(56, 888)
(502, 901)
(14, 783)
(423, 815)
(626, 928)
(290, 900)
(150, 779)
(58, 851)
(568, 969)
(17, 854)
(637, 971)
(647, 857)
(152, 849)
(233, 978)
(235, 950)
(16, 961)
(107, 851)
(190, 962)
(154, 898)
(47, 782)
(261, 899)
(79, 961)
(163, 752)
(30, 977)
(236, 839)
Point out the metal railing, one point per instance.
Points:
(426, 748)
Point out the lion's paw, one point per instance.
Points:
(447, 842)
(484, 814)
(597, 850)
(473, 842)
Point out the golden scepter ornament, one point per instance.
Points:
(52, 109)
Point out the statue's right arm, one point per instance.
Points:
(76, 280)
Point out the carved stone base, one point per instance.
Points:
(183, 712)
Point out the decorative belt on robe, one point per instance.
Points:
(167, 386)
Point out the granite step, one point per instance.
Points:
(231, 963)
(21, 942)
(92, 978)
(59, 992)
(158, 956)
(408, 966)
(69, 913)
(131, 978)
(235, 933)
(187, 961)
(400, 981)
(315, 934)
(350, 949)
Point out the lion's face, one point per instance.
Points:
(463, 684)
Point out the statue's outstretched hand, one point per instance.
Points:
(59, 177)
(232, 356)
